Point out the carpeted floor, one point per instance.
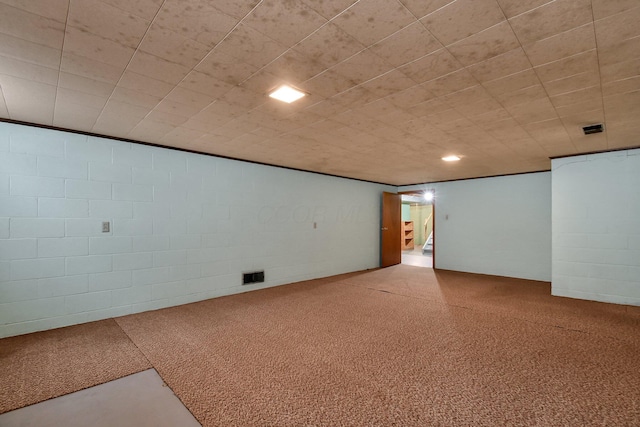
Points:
(399, 346)
(40, 366)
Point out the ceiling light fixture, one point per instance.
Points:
(428, 196)
(451, 158)
(286, 94)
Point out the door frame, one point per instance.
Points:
(433, 219)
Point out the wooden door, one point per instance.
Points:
(390, 235)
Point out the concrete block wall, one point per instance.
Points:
(499, 226)
(596, 227)
(183, 227)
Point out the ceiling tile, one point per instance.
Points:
(173, 47)
(144, 84)
(406, 45)
(75, 116)
(202, 83)
(572, 83)
(26, 70)
(226, 68)
(167, 114)
(513, 82)
(621, 71)
(190, 98)
(471, 16)
(81, 43)
(499, 66)
(70, 96)
(265, 82)
(522, 96)
(284, 22)
(220, 108)
(205, 126)
(235, 8)
(420, 8)
(90, 68)
(248, 45)
(590, 143)
(589, 94)
(513, 8)
(31, 27)
(549, 133)
(432, 66)
(353, 98)
(531, 112)
(181, 137)
(362, 66)
(553, 18)
(146, 9)
(29, 51)
(107, 21)
(84, 84)
(453, 82)
(617, 28)
(572, 65)
(27, 100)
(157, 68)
(148, 129)
(53, 9)
(389, 83)
(378, 108)
(327, 84)
(329, 45)
(604, 8)
(580, 109)
(562, 45)
(244, 98)
(134, 97)
(620, 52)
(486, 44)
(114, 125)
(294, 67)
(329, 9)
(210, 116)
(473, 109)
(369, 21)
(631, 84)
(196, 19)
(407, 98)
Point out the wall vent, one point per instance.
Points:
(597, 128)
(255, 277)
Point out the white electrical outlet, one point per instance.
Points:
(106, 226)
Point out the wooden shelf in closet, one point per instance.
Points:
(407, 235)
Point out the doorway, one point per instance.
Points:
(417, 237)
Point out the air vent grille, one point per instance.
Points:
(255, 277)
(597, 128)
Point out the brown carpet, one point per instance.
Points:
(43, 365)
(401, 346)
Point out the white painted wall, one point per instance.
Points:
(183, 227)
(499, 226)
(596, 227)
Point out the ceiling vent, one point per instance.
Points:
(588, 130)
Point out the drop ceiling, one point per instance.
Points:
(393, 85)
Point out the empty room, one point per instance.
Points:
(319, 213)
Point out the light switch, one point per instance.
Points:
(106, 226)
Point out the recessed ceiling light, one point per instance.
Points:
(451, 158)
(428, 196)
(286, 94)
